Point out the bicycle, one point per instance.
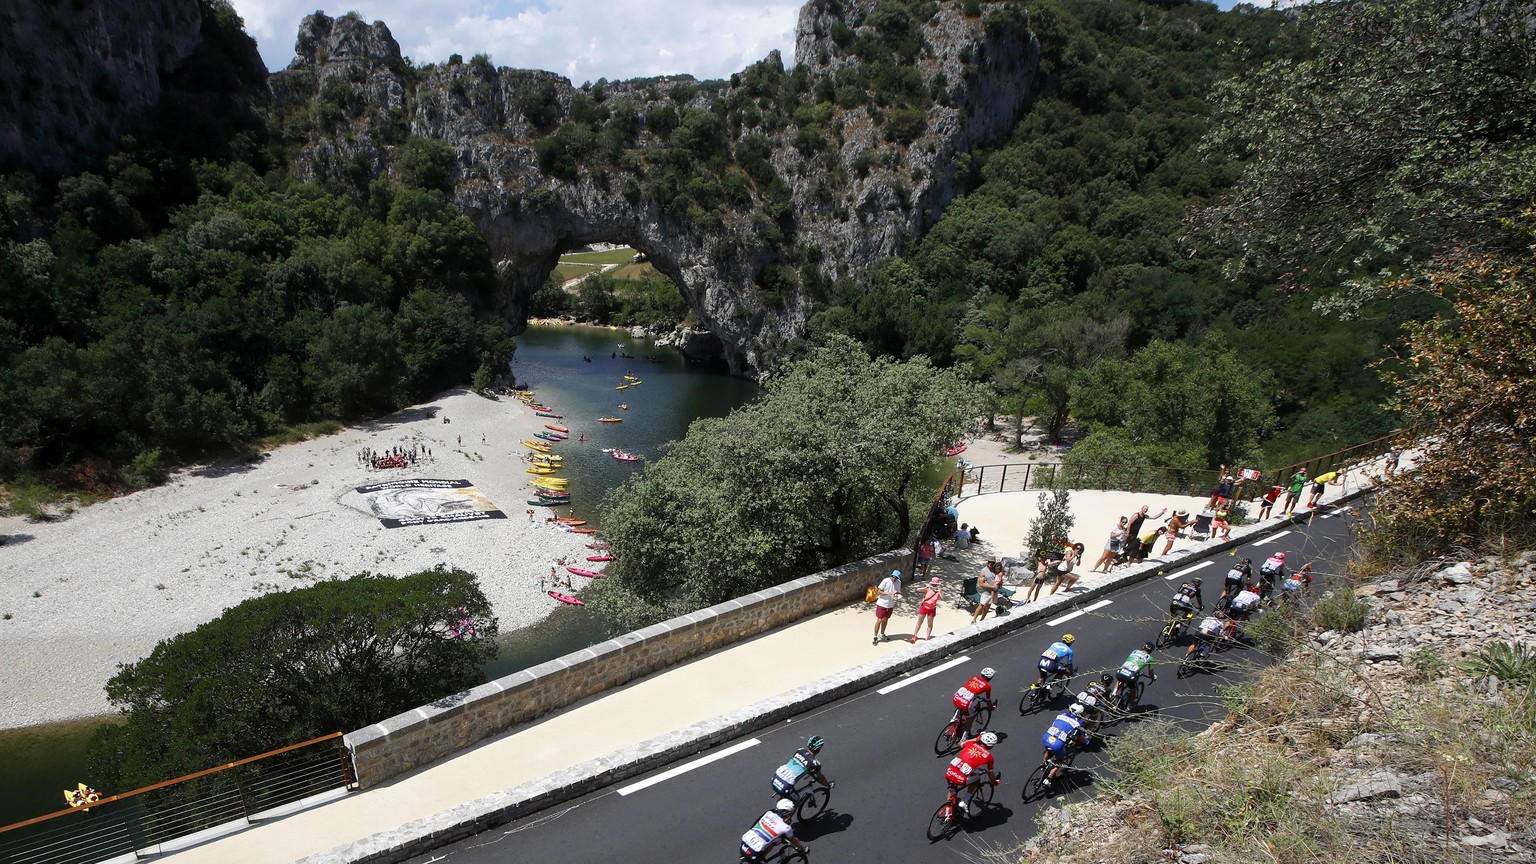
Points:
(947, 818)
(954, 731)
(1200, 659)
(1038, 696)
(1034, 786)
(1174, 629)
(811, 802)
(778, 853)
(1122, 699)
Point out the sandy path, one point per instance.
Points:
(102, 587)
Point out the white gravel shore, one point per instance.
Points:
(103, 586)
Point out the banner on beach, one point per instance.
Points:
(421, 501)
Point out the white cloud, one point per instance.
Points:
(581, 39)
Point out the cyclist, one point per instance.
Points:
(1270, 572)
(972, 765)
(1057, 660)
(1065, 731)
(803, 765)
(1238, 577)
(1243, 606)
(1210, 628)
(1092, 698)
(771, 829)
(976, 693)
(1296, 581)
(1130, 671)
(1185, 599)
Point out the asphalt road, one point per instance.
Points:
(880, 746)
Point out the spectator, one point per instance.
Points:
(1293, 494)
(1042, 573)
(1319, 483)
(1146, 541)
(1267, 503)
(990, 580)
(925, 554)
(885, 604)
(1176, 525)
(928, 608)
(1134, 528)
(1065, 569)
(1112, 546)
(1393, 456)
(1223, 523)
(1222, 492)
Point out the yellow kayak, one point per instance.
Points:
(545, 483)
(542, 448)
(622, 387)
(541, 470)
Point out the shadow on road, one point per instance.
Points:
(831, 822)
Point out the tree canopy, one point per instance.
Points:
(824, 468)
(294, 665)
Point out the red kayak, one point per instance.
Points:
(955, 450)
(599, 557)
(582, 531)
(555, 428)
(565, 598)
(597, 545)
(582, 571)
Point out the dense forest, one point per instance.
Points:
(189, 294)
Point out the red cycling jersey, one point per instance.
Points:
(977, 686)
(965, 767)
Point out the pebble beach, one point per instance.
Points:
(103, 585)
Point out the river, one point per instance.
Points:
(42, 760)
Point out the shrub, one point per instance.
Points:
(1341, 611)
(1510, 663)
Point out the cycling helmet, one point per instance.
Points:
(1195, 581)
(1106, 679)
(1076, 709)
(989, 739)
(988, 672)
(1068, 639)
(785, 806)
(1149, 647)
(815, 743)
(1279, 556)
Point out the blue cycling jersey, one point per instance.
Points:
(1063, 729)
(1060, 652)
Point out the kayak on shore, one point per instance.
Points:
(565, 598)
(582, 571)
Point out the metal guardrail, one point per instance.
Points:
(1021, 477)
(124, 824)
(1349, 457)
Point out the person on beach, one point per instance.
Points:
(885, 604)
(928, 608)
(1112, 546)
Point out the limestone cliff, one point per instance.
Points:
(72, 75)
(756, 195)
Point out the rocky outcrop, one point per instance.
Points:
(756, 195)
(72, 75)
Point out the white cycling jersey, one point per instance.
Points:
(1210, 626)
(769, 830)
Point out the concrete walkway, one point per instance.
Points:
(690, 707)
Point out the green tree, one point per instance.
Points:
(353, 364)
(1184, 405)
(284, 667)
(823, 469)
(1053, 524)
(1411, 131)
(427, 163)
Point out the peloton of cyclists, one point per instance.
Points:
(791, 779)
(1057, 660)
(1243, 607)
(1185, 599)
(974, 694)
(1270, 572)
(972, 766)
(1092, 699)
(1210, 629)
(771, 828)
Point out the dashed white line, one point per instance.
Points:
(1065, 618)
(1177, 573)
(683, 769)
(921, 675)
(1099, 605)
(1271, 538)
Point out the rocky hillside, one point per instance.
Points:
(1410, 739)
(73, 75)
(757, 195)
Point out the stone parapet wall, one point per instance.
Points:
(420, 736)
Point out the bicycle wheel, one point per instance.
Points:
(984, 794)
(949, 736)
(942, 823)
(814, 803)
(1061, 685)
(1187, 665)
(983, 717)
(1028, 704)
(1034, 785)
(1141, 688)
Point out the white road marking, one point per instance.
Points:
(1191, 569)
(1099, 605)
(921, 675)
(1271, 538)
(1065, 618)
(683, 769)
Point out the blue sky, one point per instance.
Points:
(581, 39)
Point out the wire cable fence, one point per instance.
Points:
(145, 818)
